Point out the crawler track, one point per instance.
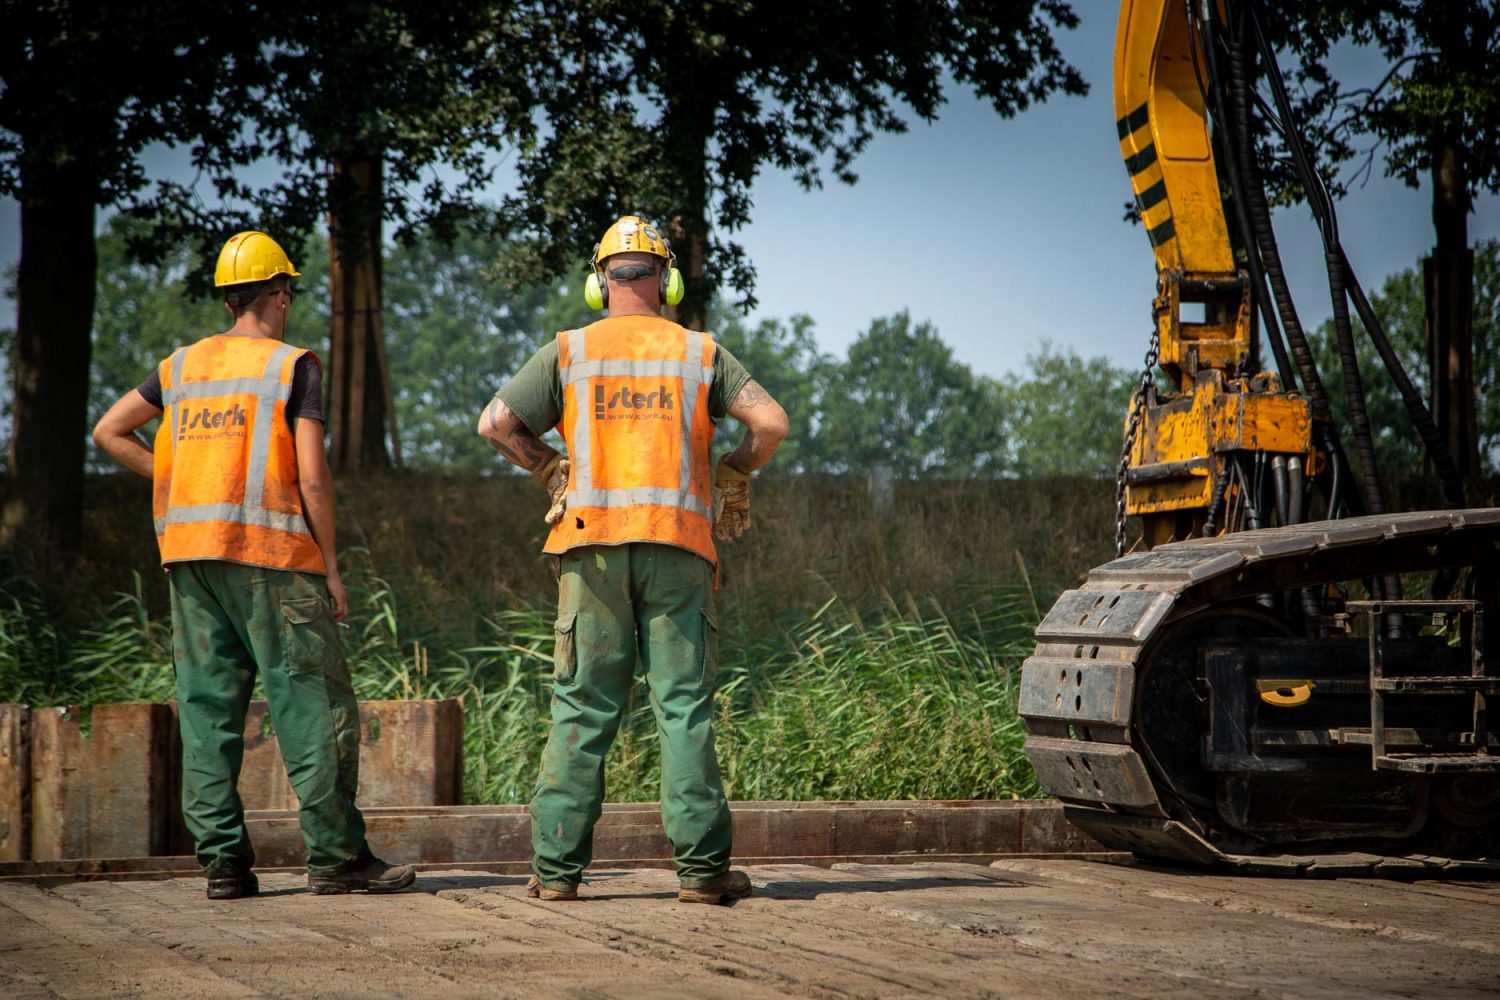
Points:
(1082, 690)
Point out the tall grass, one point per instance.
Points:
(902, 700)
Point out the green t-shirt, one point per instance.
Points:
(535, 393)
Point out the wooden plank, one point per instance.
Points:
(15, 782)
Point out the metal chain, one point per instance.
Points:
(1137, 411)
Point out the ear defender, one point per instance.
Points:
(672, 287)
(596, 292)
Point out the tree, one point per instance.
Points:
(783, 356)
(376, 112)
(1435, 115)
(456, 334)
(1067, 417)
(671, 110)
(902, 399)
(87, 88)
(1401, 309)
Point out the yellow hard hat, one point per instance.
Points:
(251, 256)
(632, 234)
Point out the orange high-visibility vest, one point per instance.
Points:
(226, 461)
(635, 419)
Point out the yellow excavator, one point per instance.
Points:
(1248, 685)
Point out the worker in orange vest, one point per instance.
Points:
(244, 512)
(634, 510)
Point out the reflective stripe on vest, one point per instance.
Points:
(278, 536)
(625, 516)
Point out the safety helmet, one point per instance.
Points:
(251, 256)
(633, 234)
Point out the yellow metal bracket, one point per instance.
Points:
(1284, 693)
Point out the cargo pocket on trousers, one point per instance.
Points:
(305, 649)
(710, 648)
(564, 654)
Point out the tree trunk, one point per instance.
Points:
(360, 403)
(687, 151)
(43, 512)
(1448, 276)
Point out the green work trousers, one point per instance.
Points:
(228, 621)
(619, 605)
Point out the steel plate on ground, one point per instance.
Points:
(1154, 838)
(1106, 773)
(1087, 617)
(1077, 690)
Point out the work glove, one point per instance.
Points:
(731, 501)
(554, 478)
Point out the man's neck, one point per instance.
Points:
(251, 325)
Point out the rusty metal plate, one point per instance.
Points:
(1154, 838)
(1087, 617)
(1106, 773)
(110, 794)
(410, 754)
(1164, 566)
(15, 783)
(1077, 690)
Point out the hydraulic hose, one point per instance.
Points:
(1214, 92)
(1421, 416)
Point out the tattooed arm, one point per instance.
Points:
(765, 427)
(510, 437)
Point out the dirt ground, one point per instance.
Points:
(1016, 928)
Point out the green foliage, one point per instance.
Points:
(1066, 417)
(1399, 305)
(901, 398)
(454, 335)
(1438, 89)
(903, 702)
(783, 357)
(429, 89)
(672, 110)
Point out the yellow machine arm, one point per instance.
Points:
(1179, 462)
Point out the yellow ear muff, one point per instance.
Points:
(672, 286)
(595, 293)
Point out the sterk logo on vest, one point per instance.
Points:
(204, 422)
(625, 403)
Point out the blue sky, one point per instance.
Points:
(1007, 234)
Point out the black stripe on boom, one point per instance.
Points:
(1133, 121)
(1160, 234)
(1152, 196)
(1137, 162)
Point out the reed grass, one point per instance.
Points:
(904, 699)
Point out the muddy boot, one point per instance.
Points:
(373, 875)
(730, 885)
(233, 884)
(536, 890)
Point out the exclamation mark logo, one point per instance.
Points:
(598, 402)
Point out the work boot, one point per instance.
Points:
(233, 884)
(373, 875)
(730, 885)
(536, 890)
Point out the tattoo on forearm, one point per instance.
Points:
(492, 413)
(522, 448)
(751, 395)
